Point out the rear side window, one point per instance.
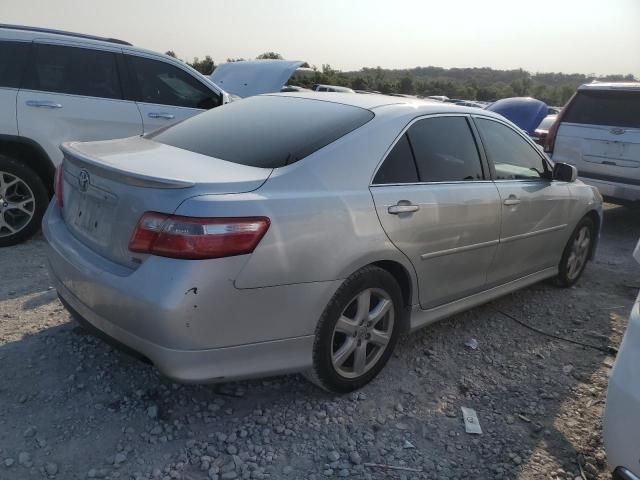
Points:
(445, 150)
(76, 71)
(265, 131)
(399, 166)
(605, 107)
(165, 84)
(513, 158)
(12, 59)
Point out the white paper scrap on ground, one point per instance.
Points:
(471, 422)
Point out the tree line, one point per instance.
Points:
(483, 83)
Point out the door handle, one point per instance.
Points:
(402, 208)
(166, 116)
(43, 103)
(512, 200)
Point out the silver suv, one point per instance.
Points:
(598, 131)
(57, 86)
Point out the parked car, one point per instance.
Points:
(286, 234)
(540, 133)
(598, 131)
(331, 88)
(621, 420)
(58, 86)
(526, 112)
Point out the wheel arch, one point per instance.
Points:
(400, 273)
(32, 155)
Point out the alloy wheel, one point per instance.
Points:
(579, 252)
(362, 333)
(17, 204)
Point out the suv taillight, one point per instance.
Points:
(58, 186)
(197, 238)
(550, 141)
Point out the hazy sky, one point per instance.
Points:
(585, 36)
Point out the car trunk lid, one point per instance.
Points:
(109, 185)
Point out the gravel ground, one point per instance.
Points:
(73, 408)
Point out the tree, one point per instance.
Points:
(406, 85)
(205, 66)
(269, 56)
(231, 60)
(171, 53)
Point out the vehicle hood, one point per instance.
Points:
(525, 112)
(254, 77)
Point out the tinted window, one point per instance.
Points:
(164, 84)
(12, 59)
(445, 150)
(265, 131)
(399, 166)
(512, 157)
(78, 71)
(609, 108)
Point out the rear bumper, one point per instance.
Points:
(615, 191)
(187, 317)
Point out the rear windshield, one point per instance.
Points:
(605, 107)
(265, 131)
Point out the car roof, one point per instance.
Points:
(38, 32)
(628, 86)
(388, 104)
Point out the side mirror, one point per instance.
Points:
(565, 172)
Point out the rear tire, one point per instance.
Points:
(357, 331)
(576, 253)
(23, 201)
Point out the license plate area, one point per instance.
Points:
(90, 214)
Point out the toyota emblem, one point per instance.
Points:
(83, 180)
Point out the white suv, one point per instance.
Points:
(598, 131)
(58, 86)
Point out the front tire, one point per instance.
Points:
(357, 332)
(576, 253)
(23, 201)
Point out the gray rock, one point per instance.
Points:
(30, 432)
(24, 459)
(152, 411)
(51, 468)
(119, 458)
(355, 458)
(8, 462)
(333, 456)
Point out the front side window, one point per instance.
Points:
(399, 166)
(12, 59)
(164, 84)
(445, 150)
(512, 156)
(72, 70)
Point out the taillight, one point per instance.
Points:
(197, 238)
(550, 141)
(58, 186)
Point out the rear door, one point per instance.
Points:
(72, 93)
(600, 135)
(535, 208)
(440, 209)
(12, 60)
(166, 93)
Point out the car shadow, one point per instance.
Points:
(537, 398)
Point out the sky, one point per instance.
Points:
(570, 36)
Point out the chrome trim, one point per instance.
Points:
(466, 248)
(533, 234)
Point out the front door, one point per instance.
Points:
(438, 207)
(535, 208)
(70, 93)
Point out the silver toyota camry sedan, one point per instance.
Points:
(305, 232)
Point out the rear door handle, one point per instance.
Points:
(43, 103)
(403, 208)
(512, 200)
(166, 116)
